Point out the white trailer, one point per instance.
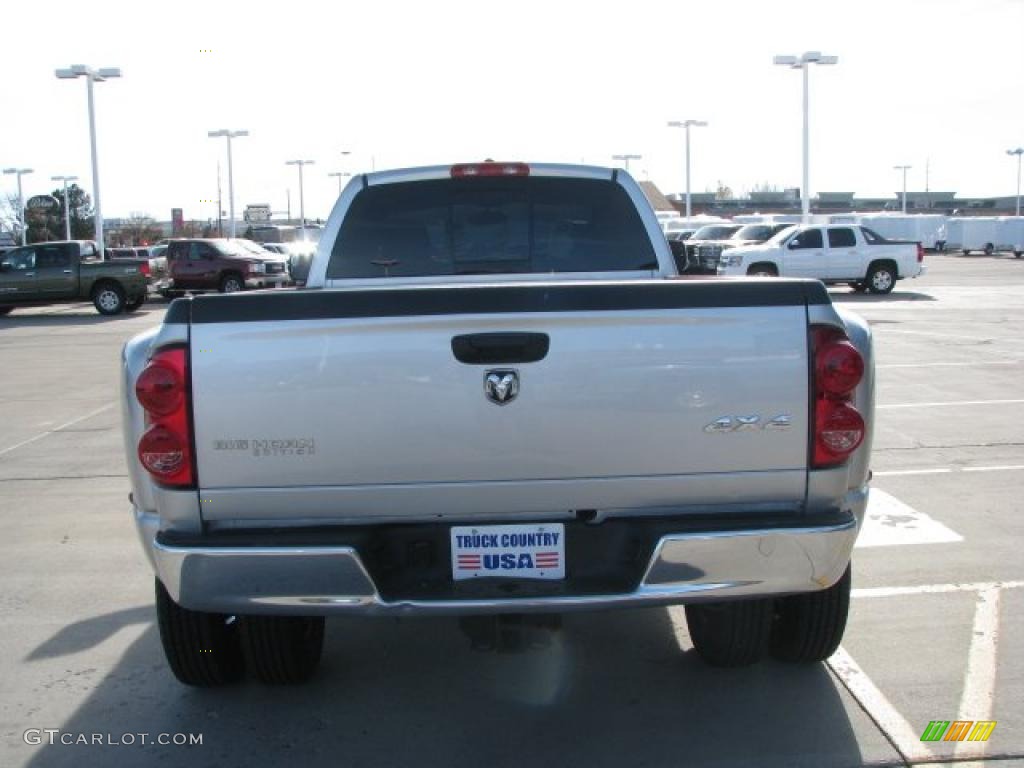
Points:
(988, 234)
(929, 229)
(681, 223)
(767, 218)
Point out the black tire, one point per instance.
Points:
(762, 270)
(108, 298)
(989, 249)
(283, 650)
(232, 283)
(732, 634)
(202, 649)
(859, 287)
(881, 278)
(131, 306)
(967, 253)
(808, 628)
(6, 311)
(1016, 255)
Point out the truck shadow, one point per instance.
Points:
(849, 297)
(86, 315)
(615, 689)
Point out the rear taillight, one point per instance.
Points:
(144, 268)
(837, 368)
(489, 169)
(165, 448)
(920, 253)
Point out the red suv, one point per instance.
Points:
(222, 265)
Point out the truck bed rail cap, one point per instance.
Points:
(500, 298)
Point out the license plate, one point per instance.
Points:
(534, 551)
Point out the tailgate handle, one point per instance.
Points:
(487, 348)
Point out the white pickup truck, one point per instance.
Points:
(833, 254)
(497, 397)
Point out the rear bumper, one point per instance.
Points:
(684, 567)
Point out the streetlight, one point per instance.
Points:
(21, 201)
(302, 200)
(803, 62)
(686, 124)
(67, 203)
(340, 175)
(1018, 152)
(903, 168)
(627, 158)
(92, 76)
(229, 135)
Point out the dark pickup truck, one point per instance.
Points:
(69, 270)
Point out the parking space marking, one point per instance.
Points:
(935, 589)
(904, 739)
(948, 470)
(980, 681)
(65, 425)
(941, 335)
(946, 404)
(889, 522)
(976, 701)
(950, 364)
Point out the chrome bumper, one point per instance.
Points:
(278, 280)
(328, 580)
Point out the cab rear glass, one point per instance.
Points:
(491, 226)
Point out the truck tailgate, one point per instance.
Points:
(352, 406)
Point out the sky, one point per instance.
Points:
(399, 84)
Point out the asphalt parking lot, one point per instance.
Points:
(935, 630)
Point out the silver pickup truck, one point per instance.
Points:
(497, 397)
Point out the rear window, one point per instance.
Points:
(753, 232)
(841, 238)
(491, 226)
(714, 233)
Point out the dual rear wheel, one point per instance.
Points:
(210, 649)
(804, 628)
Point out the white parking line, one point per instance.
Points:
(950, 365)
(65, 425)
(903, 737)
(948, 470)
(901, 472)
(980, 680)
(884, 329)
(976, 701)
(946, 404)
(935, 589)
(1002, 468)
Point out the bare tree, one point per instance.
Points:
(9, 222)
(139, 228)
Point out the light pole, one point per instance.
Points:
(804, 62)
(21, 201)
(686, 124)
(1018, 152)
(903, 168)
(229, 135)
(67, 203)
(340, 175)
(92, 76)
(302, 199)
(626, 158)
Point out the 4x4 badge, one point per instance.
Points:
(501, 386)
